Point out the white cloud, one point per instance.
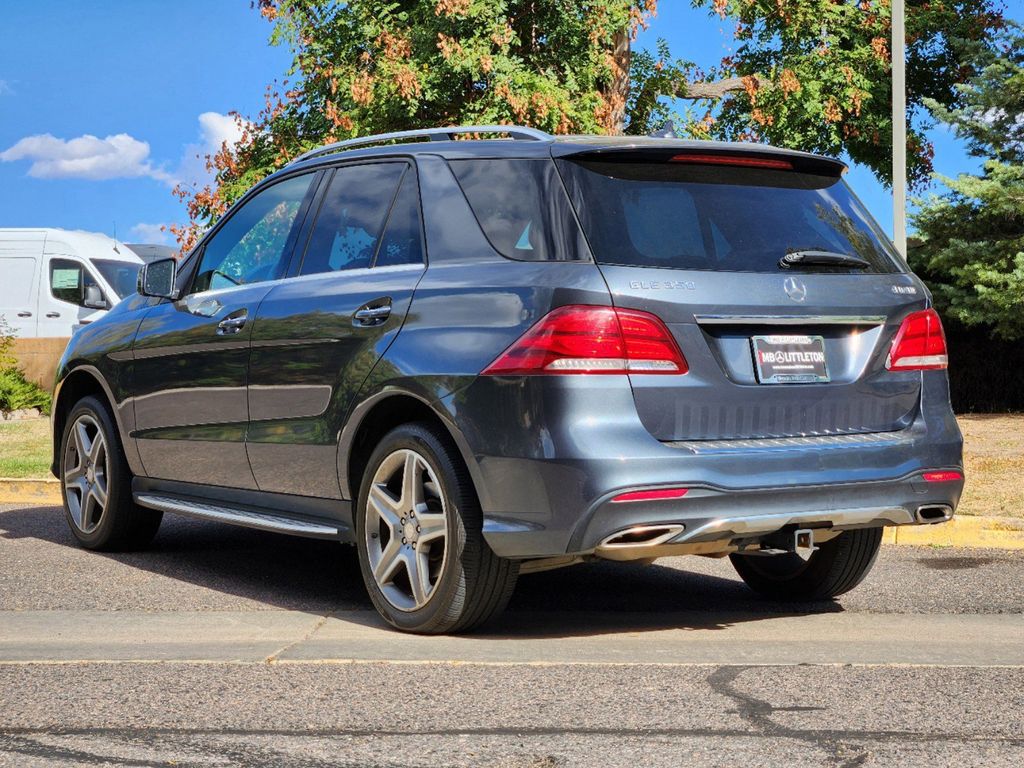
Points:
(5, 87)
(152, 233)
(85, 157)
(214, 130)
(122, 156)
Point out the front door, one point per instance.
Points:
(191, 355)
(62, 309)
(319, 334)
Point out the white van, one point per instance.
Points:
(53, 281)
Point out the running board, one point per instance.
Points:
(264, 521)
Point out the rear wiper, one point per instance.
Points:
(821, 259)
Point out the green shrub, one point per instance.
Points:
(17, 393)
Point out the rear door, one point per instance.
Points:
(319, 333)
(191, 355)
(697, 239)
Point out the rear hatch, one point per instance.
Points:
(781, 291)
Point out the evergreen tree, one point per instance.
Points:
(972, 254)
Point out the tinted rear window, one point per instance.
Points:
(522, 208)
(676, 216)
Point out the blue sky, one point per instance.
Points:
(112, 105)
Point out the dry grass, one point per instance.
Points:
(25, 448)
(994, 464)
(993, 458)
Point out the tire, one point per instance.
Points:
(837, 566)
(462, 583)
(93, 470)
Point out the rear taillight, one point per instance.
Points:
(584, 339)
(920, 343)
(948, 476)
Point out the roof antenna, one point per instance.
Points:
(667, 131)
(115, 238)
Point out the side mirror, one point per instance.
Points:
(93, 298)
(157, 279)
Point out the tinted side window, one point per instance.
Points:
(403, 242)
(252, 244)
(68, 280)
(522, 208)
(351, 217)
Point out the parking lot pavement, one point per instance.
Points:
(222, 646)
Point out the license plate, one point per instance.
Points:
(785, 359)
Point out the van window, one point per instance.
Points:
(68, 280)
(351, 217)
(123, 276)
(253, 244)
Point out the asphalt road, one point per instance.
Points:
(221, 646)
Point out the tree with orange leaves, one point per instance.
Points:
(811, 74)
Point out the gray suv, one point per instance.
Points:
(474, 357)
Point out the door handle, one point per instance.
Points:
(24, 314)
(232, 323)
(372, 314)
(53, 314)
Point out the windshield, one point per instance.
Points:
(122, 275)
(687, 216)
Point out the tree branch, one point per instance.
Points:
(716, 89)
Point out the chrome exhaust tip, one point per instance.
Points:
(642, 536)
(928, 514)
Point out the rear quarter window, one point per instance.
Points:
(522, 208)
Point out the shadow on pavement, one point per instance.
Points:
(291, 573)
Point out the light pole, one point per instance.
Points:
(899, 128)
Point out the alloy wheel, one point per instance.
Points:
(86, 470)
(406, 529)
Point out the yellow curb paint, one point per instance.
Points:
(964, 531)
(17, 491)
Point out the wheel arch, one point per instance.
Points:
(83, 381)
(375, 417)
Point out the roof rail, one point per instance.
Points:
(433, 134)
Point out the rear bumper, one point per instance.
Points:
(550, 453)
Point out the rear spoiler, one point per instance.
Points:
(702, 153)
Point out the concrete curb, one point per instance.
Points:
(29, 491)
(961, 531)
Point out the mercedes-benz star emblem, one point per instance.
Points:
(795, 289)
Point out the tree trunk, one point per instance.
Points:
(616, 92)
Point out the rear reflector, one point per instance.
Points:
(920, 343)
(658, 495)
(942, 477)
(735, 160)
(586, 339)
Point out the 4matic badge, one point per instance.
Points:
(648, 285)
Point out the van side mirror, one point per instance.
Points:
(157, 279)
(93, 298)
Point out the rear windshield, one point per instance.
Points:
(686, 216)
